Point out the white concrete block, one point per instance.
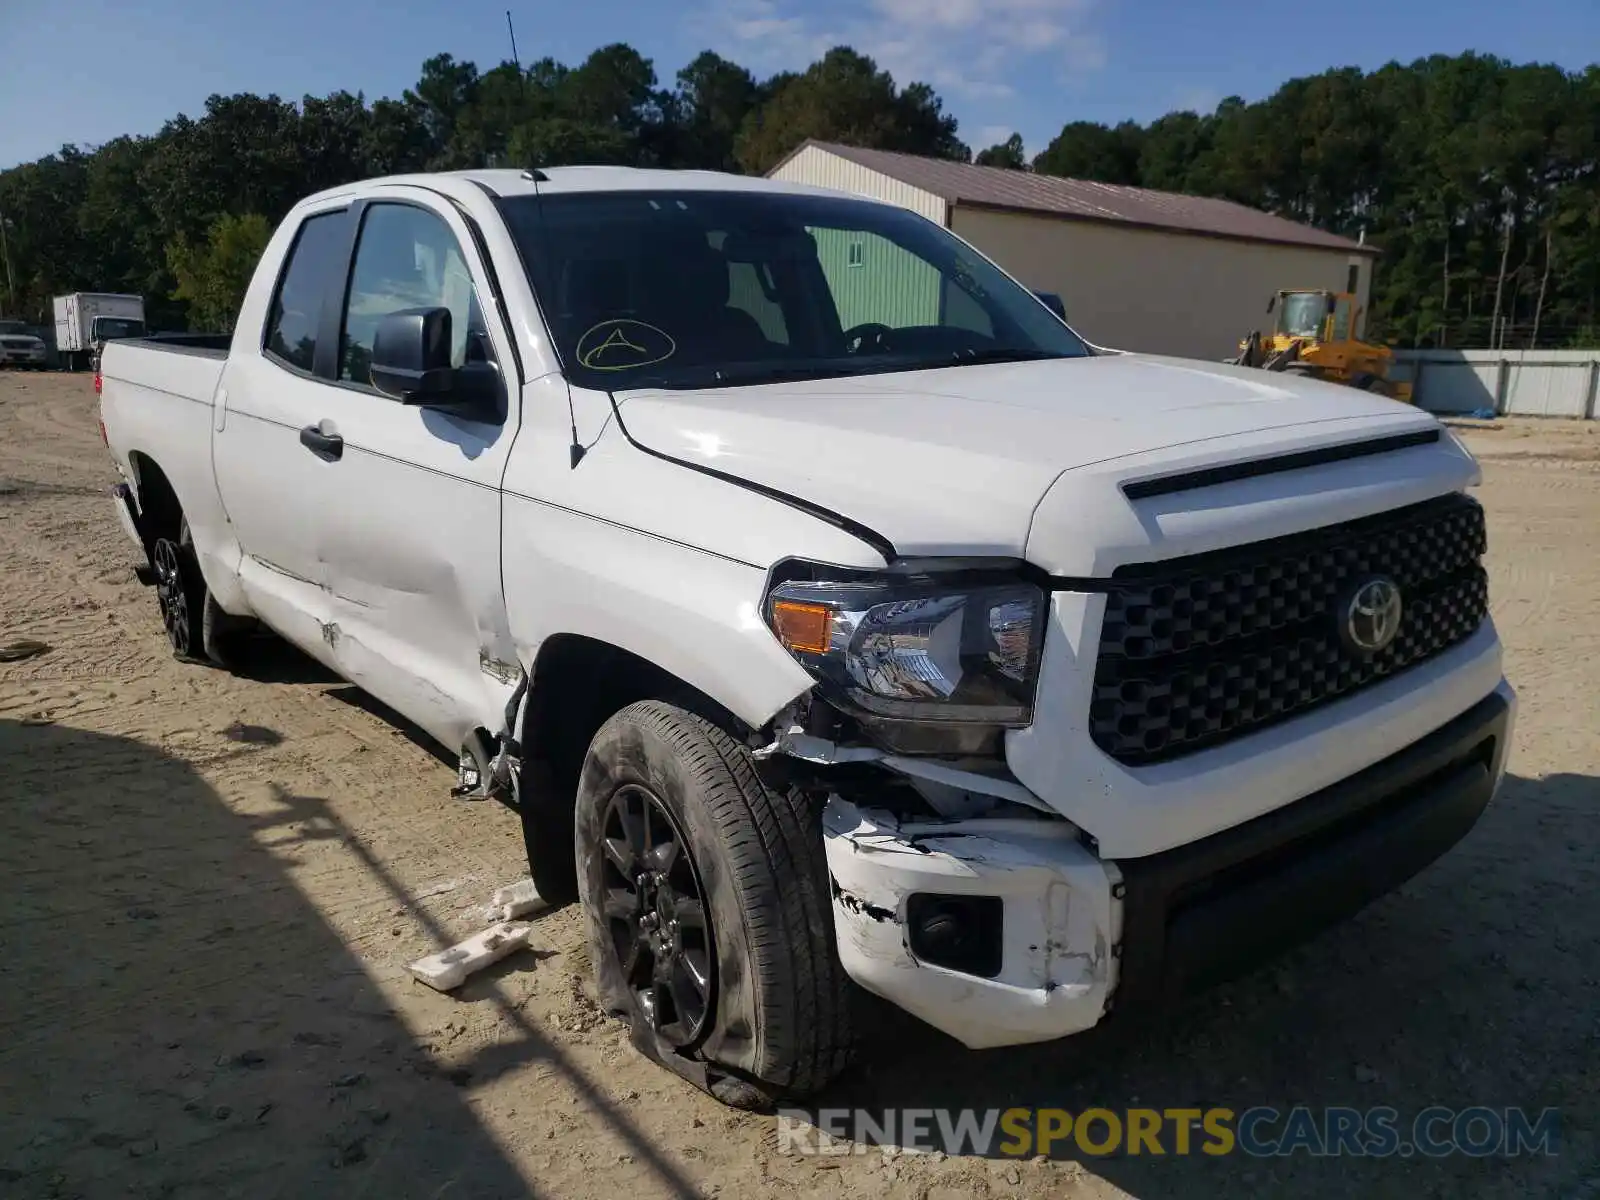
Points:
(517, 900)
(448, 969)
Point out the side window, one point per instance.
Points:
(1341, 320)
(297, 307)
(407, 258)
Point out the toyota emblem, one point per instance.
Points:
(1370, 618)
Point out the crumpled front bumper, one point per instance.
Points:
(1079, 932)
(1060, 920)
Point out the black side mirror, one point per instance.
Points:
(411, 362)
(1272, 304)
(411, 356)
(1054, 303)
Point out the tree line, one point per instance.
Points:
(1477, 177)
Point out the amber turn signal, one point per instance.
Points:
(806, 628)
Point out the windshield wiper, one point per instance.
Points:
(710, 375)
(1003, 354)
(976, 357)
(720, 376)
(778, 374)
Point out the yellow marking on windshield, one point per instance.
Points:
(623, 338)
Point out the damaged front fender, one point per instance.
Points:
(1060, 929)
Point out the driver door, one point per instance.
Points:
(412, 558)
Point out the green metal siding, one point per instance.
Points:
(890, 287)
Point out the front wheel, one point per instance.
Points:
(706, 897)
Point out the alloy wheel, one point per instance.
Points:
(171, 595)
(656, 915)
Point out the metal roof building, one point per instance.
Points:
(1137, 269)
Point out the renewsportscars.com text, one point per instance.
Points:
(1261, 1132)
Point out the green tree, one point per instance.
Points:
(445, 91)
(212, 274)
(1007, 154)
(714, 99)
(1478, 178)
(845, 98)
(1085, 150)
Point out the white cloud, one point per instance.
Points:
(970, 49)
(992, 135)
(764, 34)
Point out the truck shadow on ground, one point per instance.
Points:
(1472, 985)
(177, 1015)
(264, 658)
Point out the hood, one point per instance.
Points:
(956, 460)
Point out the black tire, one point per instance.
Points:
(197, 628)
(777, 1021)
(180, 592)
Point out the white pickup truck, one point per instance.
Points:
(828, 608)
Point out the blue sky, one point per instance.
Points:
(88, 70)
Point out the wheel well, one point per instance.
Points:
(576, 685)
(159, 510)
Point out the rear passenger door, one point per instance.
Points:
(276, 491)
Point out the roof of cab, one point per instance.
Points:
(554, 180)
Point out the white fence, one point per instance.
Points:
(1527, 383)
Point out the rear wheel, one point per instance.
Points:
(706, 897)
(180, 592)
(197, 628)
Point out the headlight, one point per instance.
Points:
(920, 648)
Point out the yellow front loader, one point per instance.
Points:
(1315, 334)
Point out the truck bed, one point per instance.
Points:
(175, 364)
(210, 345)
(159, 391)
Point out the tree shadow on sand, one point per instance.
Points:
(177, 1018)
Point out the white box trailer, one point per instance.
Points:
(85, 320)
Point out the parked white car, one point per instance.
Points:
(19, 348)
(830, 609)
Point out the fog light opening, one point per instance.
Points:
(961, 933)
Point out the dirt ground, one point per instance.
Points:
(209, 887)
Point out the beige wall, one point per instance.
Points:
(1162, 293)
(819, 168)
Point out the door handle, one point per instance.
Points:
(327, 446)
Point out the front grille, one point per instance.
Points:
(1196, 651)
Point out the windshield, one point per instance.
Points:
(106, 328)
(704, 289)
(1302, 314)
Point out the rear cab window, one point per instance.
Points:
(314, 260)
